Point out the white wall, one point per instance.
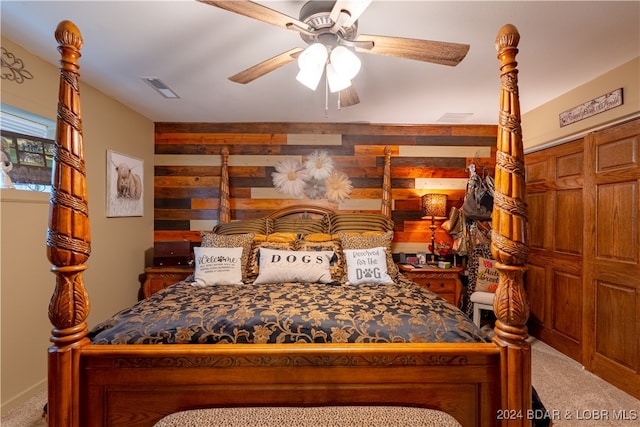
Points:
(541, 126)
(118, 244)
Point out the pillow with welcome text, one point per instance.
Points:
(217, 266)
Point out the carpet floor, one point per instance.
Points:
(572, 397)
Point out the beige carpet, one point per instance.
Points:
(573, 397)
(576, 397)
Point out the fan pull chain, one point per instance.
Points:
(326, 96)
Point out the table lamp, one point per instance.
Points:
(434, 206)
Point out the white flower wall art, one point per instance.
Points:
(316, 178)
(319, 165)
(289, 177)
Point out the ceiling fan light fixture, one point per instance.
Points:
(337, 81)
(310, 77)
(314, 56)
(345, 62)
(311, 63)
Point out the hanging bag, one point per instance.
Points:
(478, 198)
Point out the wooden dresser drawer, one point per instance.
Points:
(443, 281)
(158, 278)
(437, 285)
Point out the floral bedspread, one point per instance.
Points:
(288, 313)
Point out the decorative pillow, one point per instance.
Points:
(213, 240)
(217, 266)
(298, 225)
(487, 277)
(294, 266)
(337, 263)
(252, 269)
(367, 266)
(258, 226)
(282, 237)
(339, 222)
(317, 237)
(358, 241)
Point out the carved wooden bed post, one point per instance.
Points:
(386, 184)
(224, 212)
(509, 239)
(68, 240)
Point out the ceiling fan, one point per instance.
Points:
(334, 26)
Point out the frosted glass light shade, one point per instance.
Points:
(337, 82)
(345, 62)
(311, 62)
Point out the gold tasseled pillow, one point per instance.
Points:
(282, 237)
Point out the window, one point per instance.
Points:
(27, 150)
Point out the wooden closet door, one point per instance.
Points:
(612, 255)
(554, 280)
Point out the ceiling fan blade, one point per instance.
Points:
(256, 11)
(348, 97)
(259, 70)
(353, 8)
(443, 53)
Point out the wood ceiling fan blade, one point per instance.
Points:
(348, 97)
(443, 53)
(256, 11)
(354, 9)
(271, 64)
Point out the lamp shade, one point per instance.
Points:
(311, 62)
(345, 62)
(337, 82)
(434, 206)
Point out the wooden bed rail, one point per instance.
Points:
(509, 237)
(68, 240)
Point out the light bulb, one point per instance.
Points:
(336, 81)
(345, 62)
(311, 62)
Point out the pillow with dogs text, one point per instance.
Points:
(277, 266)
(217, 266)
(367, 266)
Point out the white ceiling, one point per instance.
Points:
(194, 48)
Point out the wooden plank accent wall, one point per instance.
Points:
(425, 158)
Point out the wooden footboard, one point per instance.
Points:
(136, 385)
(94, 385)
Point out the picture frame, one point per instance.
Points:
(125, 189)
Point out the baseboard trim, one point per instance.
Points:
(23, 397)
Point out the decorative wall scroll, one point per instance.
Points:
(316, 178)
(13, 68)
(595, 106)
(124, 185)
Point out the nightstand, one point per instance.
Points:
(157, 278)
(443, 281)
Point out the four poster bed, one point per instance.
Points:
(385, 351)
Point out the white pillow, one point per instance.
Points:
(278, 266)
(217, 266)
(367, 266)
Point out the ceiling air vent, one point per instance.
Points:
(161, 88)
